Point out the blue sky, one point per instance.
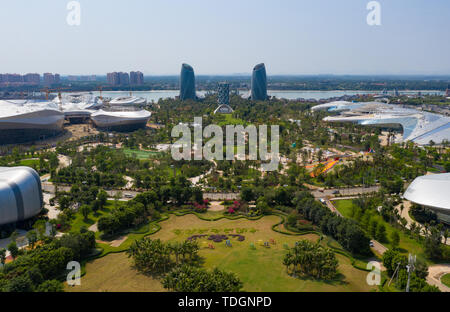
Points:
(226, 37)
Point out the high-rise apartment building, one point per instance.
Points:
(49, 79)
(32, 79)
(136, 78)
(118, 78)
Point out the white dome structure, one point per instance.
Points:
(121, 121)
(20, 194)
(23, 120)
(432, 191)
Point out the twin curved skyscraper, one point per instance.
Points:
(259, 83)
(258, 89)
(187, 83)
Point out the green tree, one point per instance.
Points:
(192, 279)
(85, 210)
(395, 239)
(102, 198)
(433, 244)
(50, 286)
(12, 247)
(32, 238)
(381, 233)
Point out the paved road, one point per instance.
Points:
(378, 247)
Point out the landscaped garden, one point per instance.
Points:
(257, 259)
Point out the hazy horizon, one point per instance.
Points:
(293, 38)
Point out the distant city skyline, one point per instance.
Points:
(226, 38)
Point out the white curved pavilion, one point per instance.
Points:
(418, 126)
(27, 120)
(432, 191)
(118, 120)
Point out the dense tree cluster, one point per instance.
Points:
(41, 268)
(123, 217)
(155, 257)
(396, 263)
(347, 232)
(422, 214)
(102, 166)
(311, 259)
(193, 279)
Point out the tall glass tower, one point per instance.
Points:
(187, 83)
(259, 83)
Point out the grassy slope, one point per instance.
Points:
(446, 279)
(407, 244)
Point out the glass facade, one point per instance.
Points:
(187, 83)
(259, 83)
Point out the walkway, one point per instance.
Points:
(435, 272)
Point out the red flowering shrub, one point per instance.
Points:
(200, 207)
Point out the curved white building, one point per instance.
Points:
(78, 107)
(20, 194)
(25, 120)
(418, 126)
(432, 191)
(128, 101)
(121, 121)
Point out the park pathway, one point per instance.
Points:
(435, 273)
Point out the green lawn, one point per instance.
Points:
(29, 162)
(446, 279)
(260, 269)
(141, 154)
(80, 222)
(407, 244)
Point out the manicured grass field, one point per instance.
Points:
(260, 269)
(114, 273)
(141, 154)
(446, 279)
(29, 162)
(407, 244)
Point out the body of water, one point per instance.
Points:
(281, 94)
